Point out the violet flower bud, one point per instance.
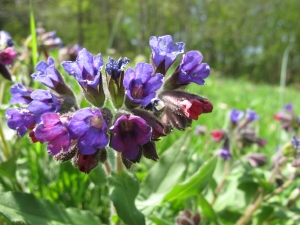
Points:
(236, 115)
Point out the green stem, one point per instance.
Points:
(5, 146)
(119, 162)
(279, 190)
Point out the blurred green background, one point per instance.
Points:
(239, 38)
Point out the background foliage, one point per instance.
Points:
(238, 38)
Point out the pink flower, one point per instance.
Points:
(7, 56)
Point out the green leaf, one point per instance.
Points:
(195, 184)
(26, 208)
(164, 174)
(33, 35)
(207, 210)
(123, 191)
(98, 176)
(8, 168)
(160, 221)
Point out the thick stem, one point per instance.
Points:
(279, 190)
(119, 162)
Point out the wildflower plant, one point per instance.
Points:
(147, 103)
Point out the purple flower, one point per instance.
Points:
(20, 120)
(236, 115)
(289, 107)
(114, 68)
(191, 69)
(141, 83)
(296, 142)
(42, 102)
(251, 115)
(131, 132)
(53, 130)
(224, 153)
(20, 94)
(86, 69)
(163, 48)
(89, 127)
(47, 74)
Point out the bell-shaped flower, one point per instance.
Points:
(141, 83)
(20, 94)
(218, 135)
(89, 127)
(42, 102)
(191, 69)
(53, 129)
(131, 132)
(86, 69)
(20, 120)
(251, 115)
(164, 50)
(47, 74)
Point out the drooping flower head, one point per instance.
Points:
(236, 115)
(47, 74)
(7, 56)
(191, 69)
(20, 94)
(141, 83)
(20, 120)
(86, 69)
(131, 132)
(163, 49)
(53, 129)
(114, 68)
(89, 127)
(42, 102)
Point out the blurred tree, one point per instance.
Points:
(238, 38)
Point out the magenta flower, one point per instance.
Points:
(89, 127)
(20, 94)
(53, 130)
(7, 56)
(191, 69)
(47, 74)
(86, 69)
(20, 120)
(141, 83)
(131, 132)
(42, 102)
(163, 49)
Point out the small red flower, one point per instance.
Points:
(217, 135)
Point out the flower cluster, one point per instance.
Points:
(7, 53)
(147, 104)
(289, 121)
(241, 132)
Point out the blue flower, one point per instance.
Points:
(224, 153)
(236, 115)
(251, 115)
(163, 48)
(20, 120)
(20, 94)
(141, 83)
(191, 69)
(86, 69)
(42, 102)
(89, 127)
